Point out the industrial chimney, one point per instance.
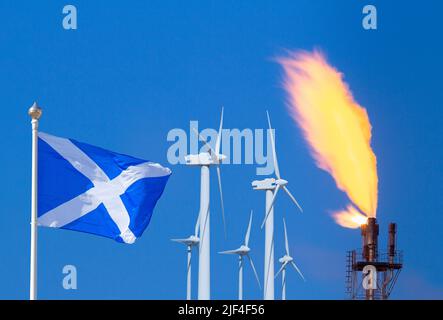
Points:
(391, 242)
(369, 232)
(370, 274)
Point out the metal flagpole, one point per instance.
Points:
(35, 113)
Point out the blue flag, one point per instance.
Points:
(89, 189)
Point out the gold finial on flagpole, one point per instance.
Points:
(35, 112)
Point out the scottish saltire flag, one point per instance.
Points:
(86, 188)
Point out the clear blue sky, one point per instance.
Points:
(134, 70)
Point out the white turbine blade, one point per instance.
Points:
(180, 240)
(248, 232)
(217, 144)
(281, 269)
(298, 270)
(221, 199)
(229, 252)
(292, 198)
(189, 264)
(270, 207)
(202, 232)
(286, 237)
(274, 153)
(197, 225)
(255, 271)
(213, 153)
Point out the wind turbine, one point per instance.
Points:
(271, 186)
(243, 251)
(190, 243)
(285, 260)
(204, 160)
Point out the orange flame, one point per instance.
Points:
(336, 128)
(350, 218)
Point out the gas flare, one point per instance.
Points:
(336, 128)
(350, 218)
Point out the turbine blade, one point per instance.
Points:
(189, 264)
(255, 271)
(298, 270)
(281, 269)
(229, 252)
(221, 199)
(197, 225)
(270, 207)
(179, 240)
(292, 198)
(286, 237)
(202, 232)
(248, 233)
(274, 153)
(213, 153)
(217, 144)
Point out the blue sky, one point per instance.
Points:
(133, 71)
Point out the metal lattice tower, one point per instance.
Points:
(361, 263)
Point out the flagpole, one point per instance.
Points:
(35, 113)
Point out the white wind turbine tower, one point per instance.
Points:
(190, 243)
(271, 186)
(204, 160)
(243, 251)
(285, 260)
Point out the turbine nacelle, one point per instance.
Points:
(268, 184)
(281, 182)
(243, 250)
(265, 184)
(285, 259)
(191, 241)
(204, 159)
